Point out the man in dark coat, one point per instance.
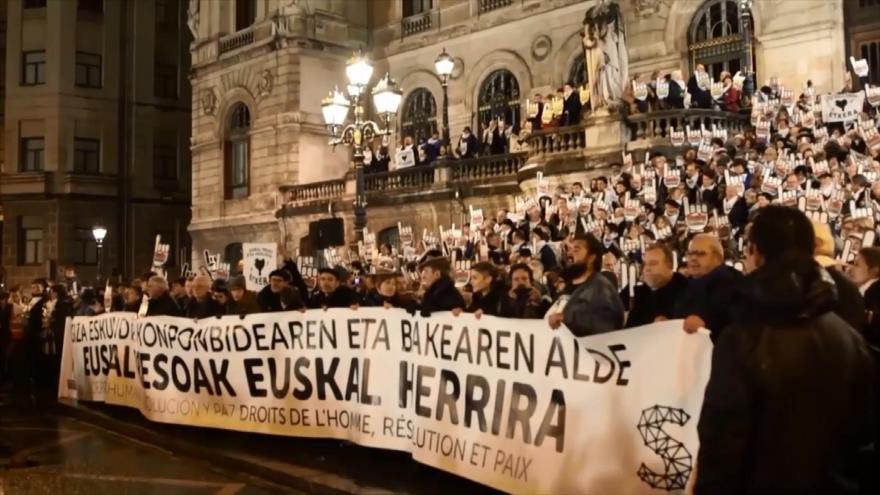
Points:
(161, 303)
(440, 292)
(202, 305)
(27, 355)
(279, 295)
(571, 106)
(332, 293)
(788, 404)
(655, 300)
(707, 300)
(242, 301)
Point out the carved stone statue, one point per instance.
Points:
(605, 54)
(192, 18)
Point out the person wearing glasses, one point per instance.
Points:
(707, 300)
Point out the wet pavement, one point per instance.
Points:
(44, 452)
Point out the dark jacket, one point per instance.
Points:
(593, 307)
(441, 296)
(548, 257)
(522, 307)
(649, 304)
(34, 325)
(710, 297)
(473, 147)
(342, 297)
(374, 299)
(204, 309)
(739, 214)
(675, 99)
(850, 305)
(163, 306)
(700, 98)
(495, 302)
(788, 402)
(247, 306)
(872, 314)
(571, 109)
(271, 302)
(63, 310)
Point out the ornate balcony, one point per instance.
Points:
(653, 129)
(444, 179)
(557, 140)
(237, 40)
(416, 24)
(490, 5)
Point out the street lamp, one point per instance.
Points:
(335, 107)
(444, 65)
(745, 11)
(99, 233)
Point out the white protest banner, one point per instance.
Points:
(406, 158)
(842, 107)
(259, 260)
(507, 403)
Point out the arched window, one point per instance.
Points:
(715, 38)
(237, 152)
(578, 71)
(419, 115)
(499, 98)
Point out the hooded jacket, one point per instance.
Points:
(787, 406)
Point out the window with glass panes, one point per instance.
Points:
(88, 70)
(238, 152)
(31, 156)
(33, 68)
(30, 240)
(84, 249)
(86, 155)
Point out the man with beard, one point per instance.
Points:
(787, 408)
(655, 300)
(593, 305)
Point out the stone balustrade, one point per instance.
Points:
(557, 140)
(490, 5)
(440, 178)
(237, 40)
(653, 129)
(415, 24)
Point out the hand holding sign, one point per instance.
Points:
(860, 66)
(697, 217)
(676, 138)
(834, 205)
(640, 91)
(462, 273)
(631, 209)
(160, 253)
(662, 88)
(789, 198)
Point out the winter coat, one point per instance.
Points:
(204, 309)
(247, 306)
(594, 307)
(710, 297)
(163, 306)
(495, 302)
(441, 296)
(650, 303)
(342, 297)
(287, 300)
(787, 407)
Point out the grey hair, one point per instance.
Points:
(160, 281)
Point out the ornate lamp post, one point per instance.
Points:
(745, 12)
(386, 98)
(99, 233)
(444, 65)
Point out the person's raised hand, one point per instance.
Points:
(693, 323)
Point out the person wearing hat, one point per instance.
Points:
(279, 295)
(440, 292)
(203, 305)
(332, 293)
(242, 301)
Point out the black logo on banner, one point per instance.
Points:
(677, 461)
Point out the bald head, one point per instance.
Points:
(704, 255)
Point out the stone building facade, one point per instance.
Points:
(96, 132)
(505, 51)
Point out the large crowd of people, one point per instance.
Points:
(764, 238)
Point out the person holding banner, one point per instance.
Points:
(655, 299)
(279, 295)
(490, 294)
(160, 301)
(440, 292)
(386, 293)
(593, 304)
(332, 293)
(243, 302)
(203, 304)
(788, 404)
(706, 301)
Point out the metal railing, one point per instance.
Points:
(237, 40)
(557, 140)
(490, 5)
(415, 24)
(408, 178)
(658, 125)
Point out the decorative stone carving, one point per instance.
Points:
(458, 68)
(647, 8)
(209, 101)
(192, 17)
(264, 84)
(541, 47)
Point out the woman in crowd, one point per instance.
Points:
(386, 293)
(490, 294)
